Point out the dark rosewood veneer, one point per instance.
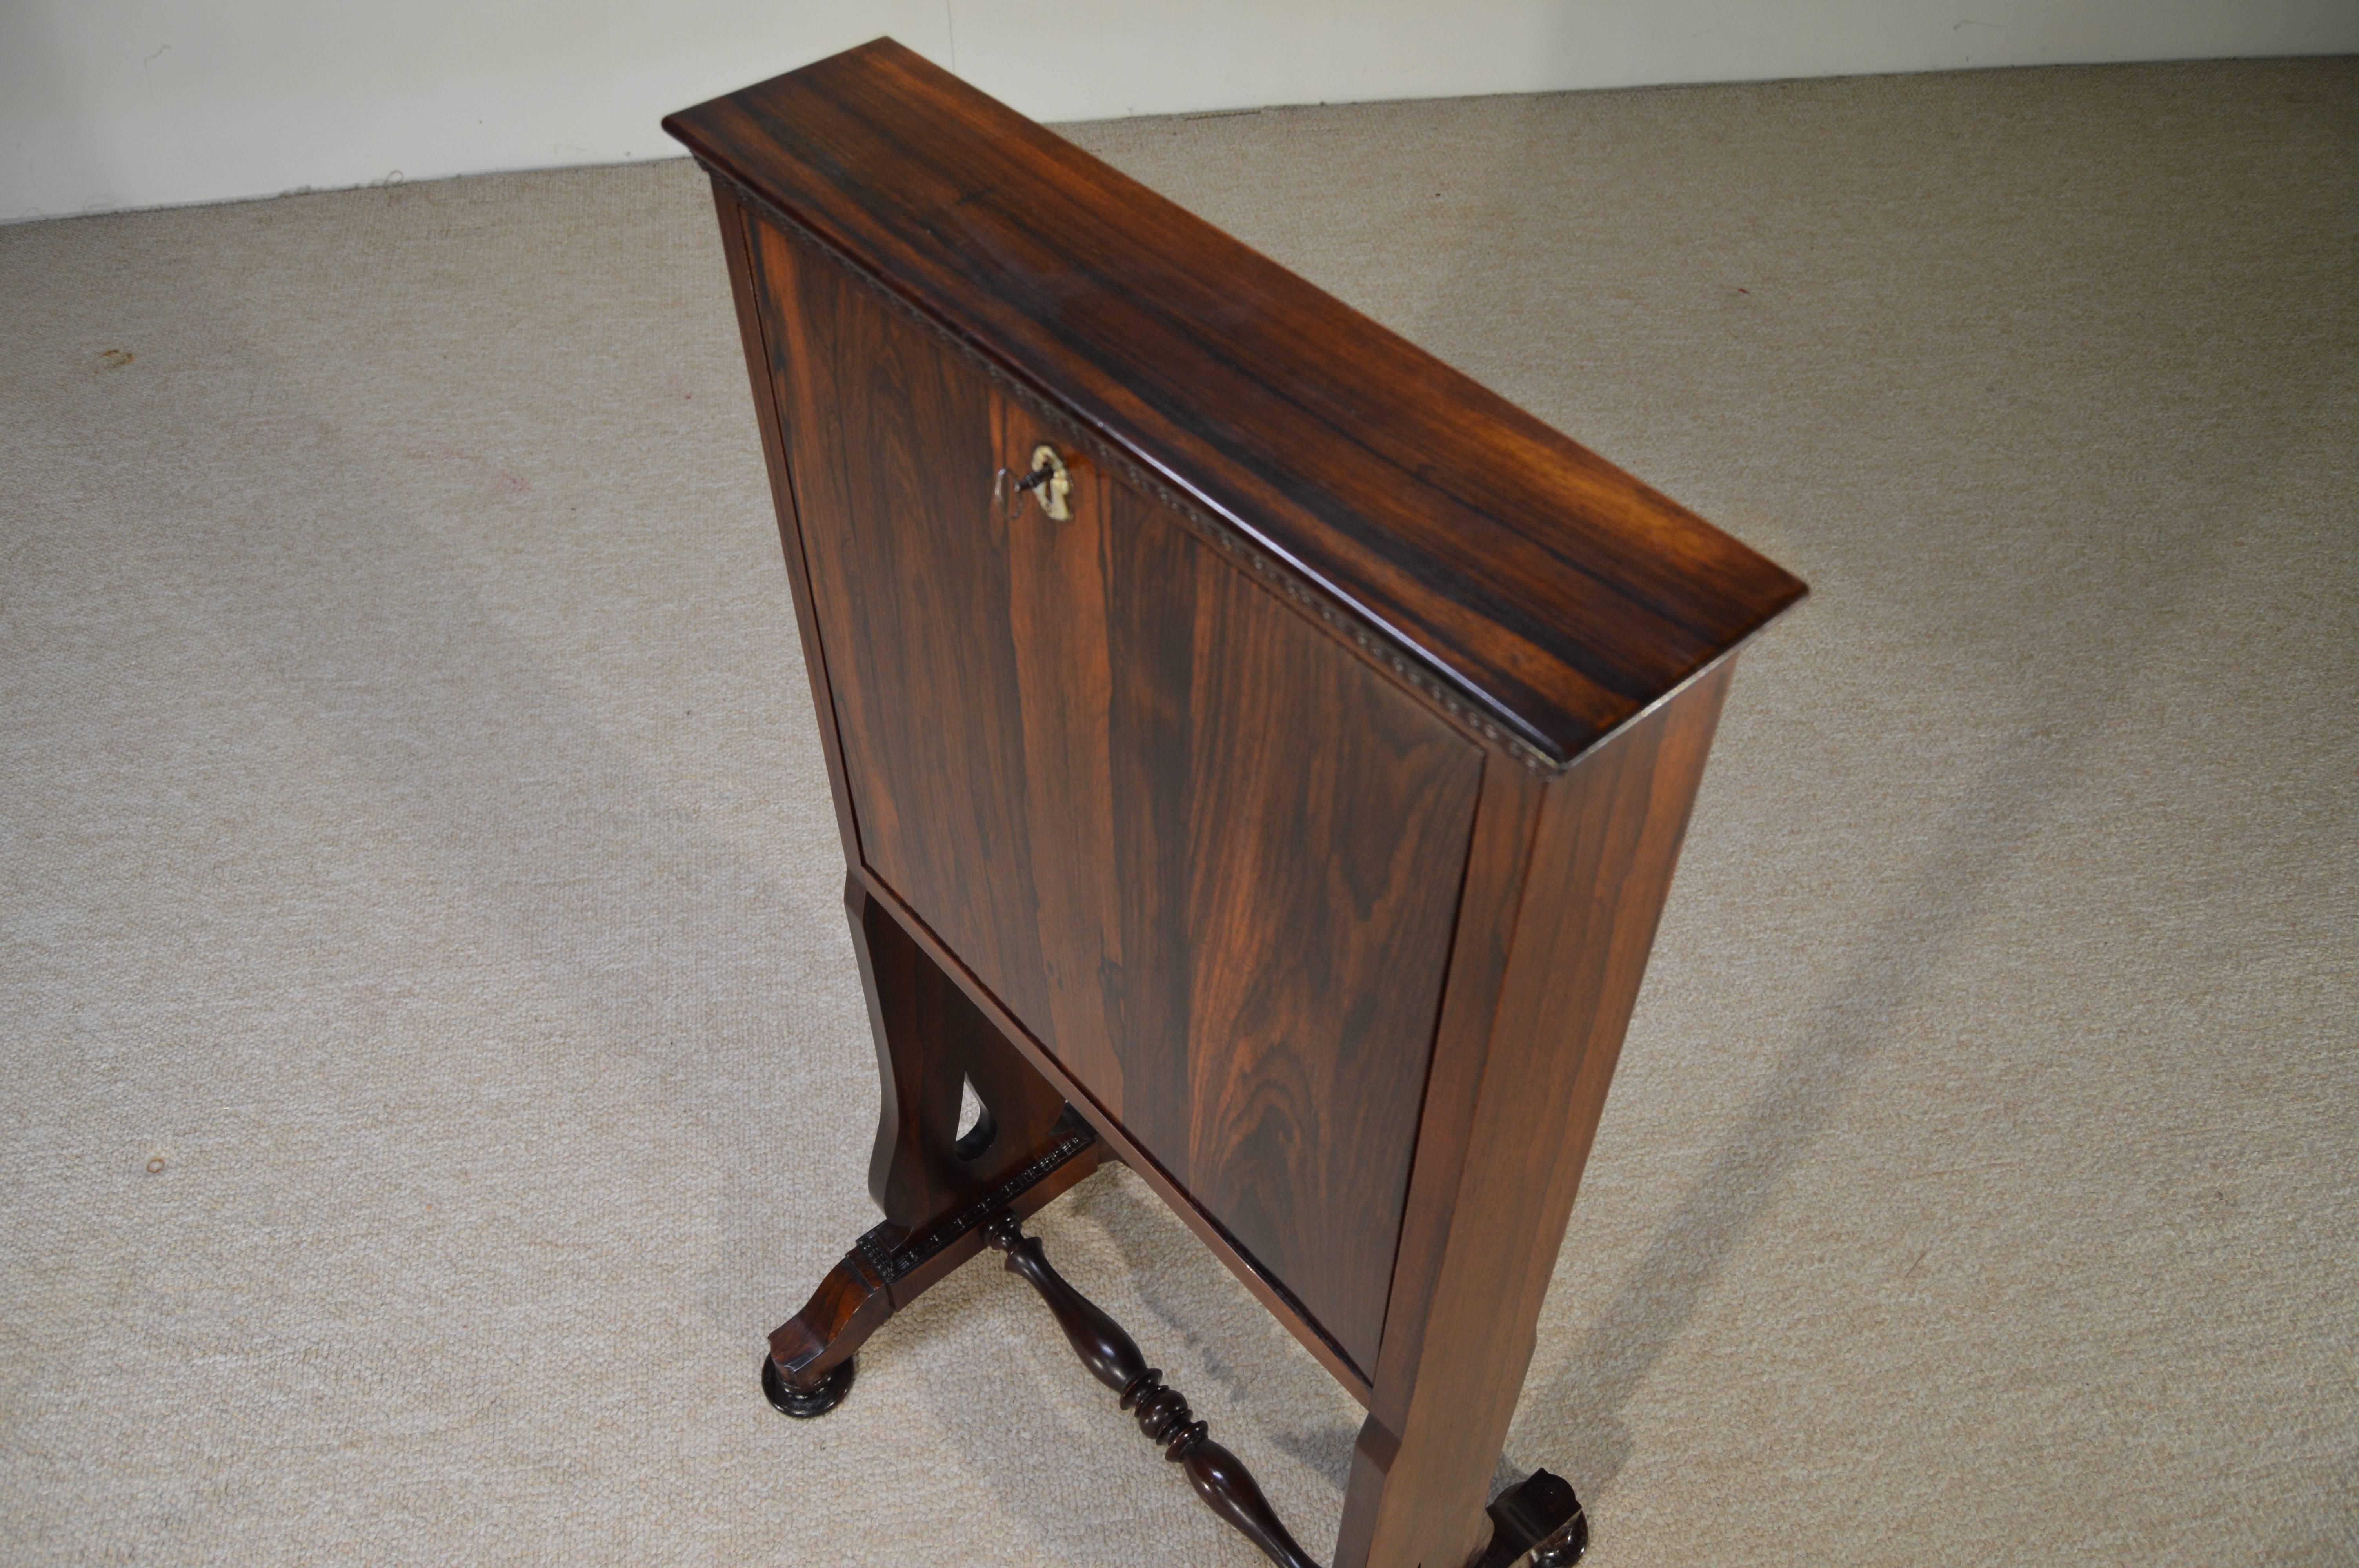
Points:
(1261, 753)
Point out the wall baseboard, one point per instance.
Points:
(107, 105)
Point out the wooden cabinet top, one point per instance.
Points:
(1537, 591)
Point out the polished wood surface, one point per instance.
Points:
(1185, 836)
(1118, 1145)
(937, 1188)
(1290, 821)
(1514, 1110)
(736, 248)
(1554, 595)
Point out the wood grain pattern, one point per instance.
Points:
(1498, 867)
(1603, 848)
(930, 1042)
(1057, 619)
(1179, 832)
(936, 1189)
(1292, 883)
(1554, 593)
(1300, 810)
(755, 335)
(1117, 1144)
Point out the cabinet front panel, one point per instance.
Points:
(1209, 858)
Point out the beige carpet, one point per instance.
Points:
(433, 1054)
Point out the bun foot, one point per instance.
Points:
(1564, 1549)
(804, 1403)
(1540, 1516)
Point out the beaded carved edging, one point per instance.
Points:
(890, 1261)
(1346, 623)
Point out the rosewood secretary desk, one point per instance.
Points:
(1260, 752)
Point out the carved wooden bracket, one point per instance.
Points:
(808, 1368)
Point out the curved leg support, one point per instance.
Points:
(809, 1370)
(935, 1186)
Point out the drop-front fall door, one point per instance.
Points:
(1207, 857)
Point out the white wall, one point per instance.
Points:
(107, 103)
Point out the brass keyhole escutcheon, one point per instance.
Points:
(1046, 479)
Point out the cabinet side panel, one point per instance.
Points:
(1602, 855)
(1500, 859)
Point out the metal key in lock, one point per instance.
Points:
(1049, 481)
